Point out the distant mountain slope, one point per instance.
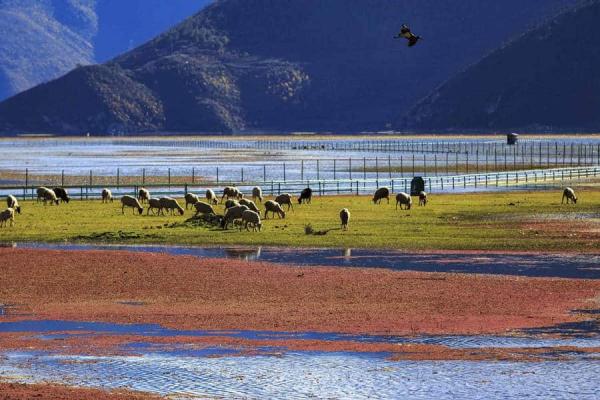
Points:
(279, 65)
(41, 40)
(37, 44)
(125, 24)
(548, 79)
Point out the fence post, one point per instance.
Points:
(169, 177)
(90, 178)
(193, 175)
(217, 175)
(377, 167)
(118, 177)
(143, 176)
(334, 170)
(62, 178)
(390, 166)
(27, 177)
(301, 170)
(242, 174)
(265, 172)
(350, 171)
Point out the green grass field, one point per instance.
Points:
(491, 221)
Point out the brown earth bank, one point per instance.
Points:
(189, 293)
(18, 391)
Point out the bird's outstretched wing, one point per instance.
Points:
(404, 32)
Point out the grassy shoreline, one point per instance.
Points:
(511, 221)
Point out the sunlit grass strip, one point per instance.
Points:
(490, 221)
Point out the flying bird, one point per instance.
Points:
(406, 33)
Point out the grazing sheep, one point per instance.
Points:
(232, 214)
(380, 194)
(345, 218)
(169, 203)
(252, 218)
(12, 202)
(305, 196)
(403, 199)
(154, 203)
(143, 195)
(275, 208)
(190, 198)
(211, 197)
(107, 196)
(47, 195)
(422, 198)
(7, 215)
(231, 192)
(285, 198)
(250, 204)
(62, 194)
(231, 203)
(569, 194)
(130, 201)
(257, 194)
(203, 208)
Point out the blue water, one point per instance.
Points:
(583, 266)
(49, 329)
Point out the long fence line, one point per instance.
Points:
(531, 146)
(485, 181)
(433, 165)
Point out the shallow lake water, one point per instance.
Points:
(181, 371)
(584, 266)
(312, 375)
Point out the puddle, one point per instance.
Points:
(532, 265)
(313, 375)
(180, 370)
(47, 329)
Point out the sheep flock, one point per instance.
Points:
(238, 210)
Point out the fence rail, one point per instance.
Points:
(471, 182)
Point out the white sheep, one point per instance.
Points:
(285, 198)
(47, 195)
(12, 202)
(345, 218)
(232, 214)
(251, 218)
(169, 203)
(257, 194)
(107, 196)
(190, 198)
(380, 194)
(231, 203)
(130, 201)
(403, 199)
(250, 204)
(154, 203)
(7, 215)
(143, 195)
(231, 192)
(203, 208)
(569, 194)
(422, 198)
(275, 208)
(211, 197)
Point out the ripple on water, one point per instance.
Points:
(333, 375)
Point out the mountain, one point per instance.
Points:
(125, 24)
(41, 40)
(276, 65)
(545, 80)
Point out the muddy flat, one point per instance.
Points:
(185, 292)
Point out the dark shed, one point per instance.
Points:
(417, 185)
(512, 138)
